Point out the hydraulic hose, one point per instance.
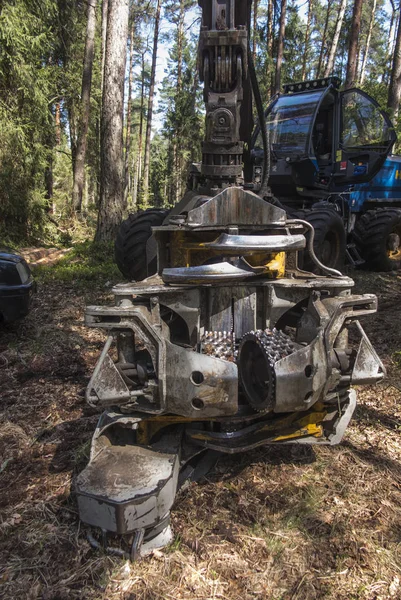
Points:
(328, 270)
(262, 121)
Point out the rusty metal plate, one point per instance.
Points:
(236, 206)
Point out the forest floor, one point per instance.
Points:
(289, 522)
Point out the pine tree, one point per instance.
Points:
(394, 92)
(150, 105)
(111, 184)
(353, 45)
(79, 165)
(280, 48)
(334, 44)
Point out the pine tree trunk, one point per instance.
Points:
(280, 50)
(79, 166)
(150, 107)
(307, 36)
(111, 157)
(255, 30)
(178, 144)
(391, 41)
(271, 17)
(57, 122)
(180, 41)
(73, 130)
(105, 5)
(270, 28)
(138, 162)
(352, 64)
(367, 45)
(129, 119)
(394, 92)
(333, 48)
(324, 38)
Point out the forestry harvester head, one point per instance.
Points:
(229, 345)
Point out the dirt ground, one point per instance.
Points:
(287, 522)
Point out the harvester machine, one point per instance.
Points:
(332, 165)
(229, 345)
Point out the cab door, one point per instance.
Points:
(366, 137)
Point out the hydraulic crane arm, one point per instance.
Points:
(223, 67)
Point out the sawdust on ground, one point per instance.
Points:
(277, 523)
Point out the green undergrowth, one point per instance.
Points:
(86, 263)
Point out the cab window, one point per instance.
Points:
(363, 123)
(290, 122)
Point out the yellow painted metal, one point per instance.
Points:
(310, 430)
(308, 424)
(187, 251)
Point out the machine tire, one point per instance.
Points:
(130, 249)
(330, 238)
(375, 233)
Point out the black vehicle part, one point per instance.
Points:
(135, 259)
(330, 238)
(258, 352)
(378, 238)
(262, 122)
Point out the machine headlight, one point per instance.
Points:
(23, 272)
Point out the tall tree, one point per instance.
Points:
(352, 64)
(367, 44)
(394, 92)
(150, 106)
(280, 48)
(138, 160)
(105, 5)
(111, 171)
(128, 135)
(79, 164)
(324, 38)
(307, 37)
(255, 29)
(333, 48)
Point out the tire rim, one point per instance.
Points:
(393, 245)
(328, 252)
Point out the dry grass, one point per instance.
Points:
(277, 523)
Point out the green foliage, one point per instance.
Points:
(26, 85)
(294, 46)
(41, 57)
(184, 121)
(86, 263)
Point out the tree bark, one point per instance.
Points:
(129, 119)
(367, 45)
(79, 165)
(333, 48)
(280, 50)
(255, 30)
(391, 41)
(324, 38)
(178, 144)
(57, 122)
(111, 156)
(105, 5)
(394, 92)
(73, 129)
(307, 36)
(138, 160)
(352, 64)
(180, 42)
(150, 107)
(269, 28)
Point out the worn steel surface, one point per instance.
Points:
(235, 206)
(228, 298)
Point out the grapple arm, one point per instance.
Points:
(223, 67)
